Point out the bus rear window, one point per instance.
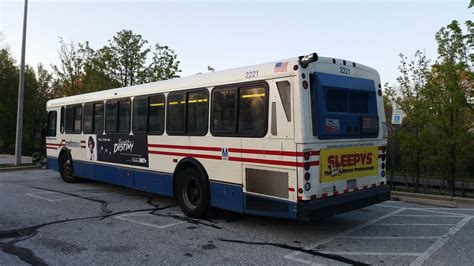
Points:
(343, 107)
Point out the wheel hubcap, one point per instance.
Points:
(192, 193)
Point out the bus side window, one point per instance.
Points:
(69, 119)
(77, 119)
(198, 112)
(124, 116)
(175, 119)
(61, 120)
(223, 111)
(139, 122)
(51, 124)
(98, 118)
(111, 117)
(156, 115)
(252, 115)
(88, 116)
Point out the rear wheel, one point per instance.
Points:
(192, 193)
(65, 169)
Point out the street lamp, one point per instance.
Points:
(21, 88)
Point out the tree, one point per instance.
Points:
(449, 92)
(9, 75)
(124, 58)
(414, 135)
(164, 64)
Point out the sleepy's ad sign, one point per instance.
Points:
(348, 163)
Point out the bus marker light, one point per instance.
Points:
(305, 84)
(306, 155)
(346, 190)
(307, 186)
(324, 195)
(306, 176)
(292, 189)
(175, 160)
(306, 166)
(300, 190)
(335, 193)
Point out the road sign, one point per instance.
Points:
(397, 117)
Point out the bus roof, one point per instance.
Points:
(236, 75)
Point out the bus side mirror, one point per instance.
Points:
(43, 132)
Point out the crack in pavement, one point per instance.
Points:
(103, 206)
(307, 251)
(182, 218)
(22, 234)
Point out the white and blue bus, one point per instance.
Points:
(301, 138)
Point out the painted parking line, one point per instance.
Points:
(293, 255)
(420, 257)
(127, 217)
(39, 195)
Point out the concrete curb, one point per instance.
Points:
(19, 168)
(434, 200)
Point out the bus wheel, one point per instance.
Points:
(192, 193)
(65, 169)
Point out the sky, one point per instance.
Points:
(229, 34)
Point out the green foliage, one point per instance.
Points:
(37, 93)
(438, 132)
(126, 60)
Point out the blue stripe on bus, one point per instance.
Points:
(53, 163)
(223, 195)
(227, 196)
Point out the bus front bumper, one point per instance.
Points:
(317, 209)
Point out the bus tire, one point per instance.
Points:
(65, 169)
(192, 193)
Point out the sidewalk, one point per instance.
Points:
(10, 159)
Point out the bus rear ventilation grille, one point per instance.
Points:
(266, 182)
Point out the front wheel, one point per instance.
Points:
(65, 169)
(192, 193)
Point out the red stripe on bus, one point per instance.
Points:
(266, 152)
(204, 156)
(237, 150)
(236, 159)
(197, 148)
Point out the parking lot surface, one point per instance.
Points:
(46, 221)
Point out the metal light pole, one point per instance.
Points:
(21, 88)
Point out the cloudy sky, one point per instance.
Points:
(228, 34)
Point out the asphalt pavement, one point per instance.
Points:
(46, 221)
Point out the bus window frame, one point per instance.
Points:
(236, 133)
(147, 130)
(55, 124)
(93, 117)
(186, 131)
(74, 129)
(117, 102)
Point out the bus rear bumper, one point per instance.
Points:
(312, 210)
